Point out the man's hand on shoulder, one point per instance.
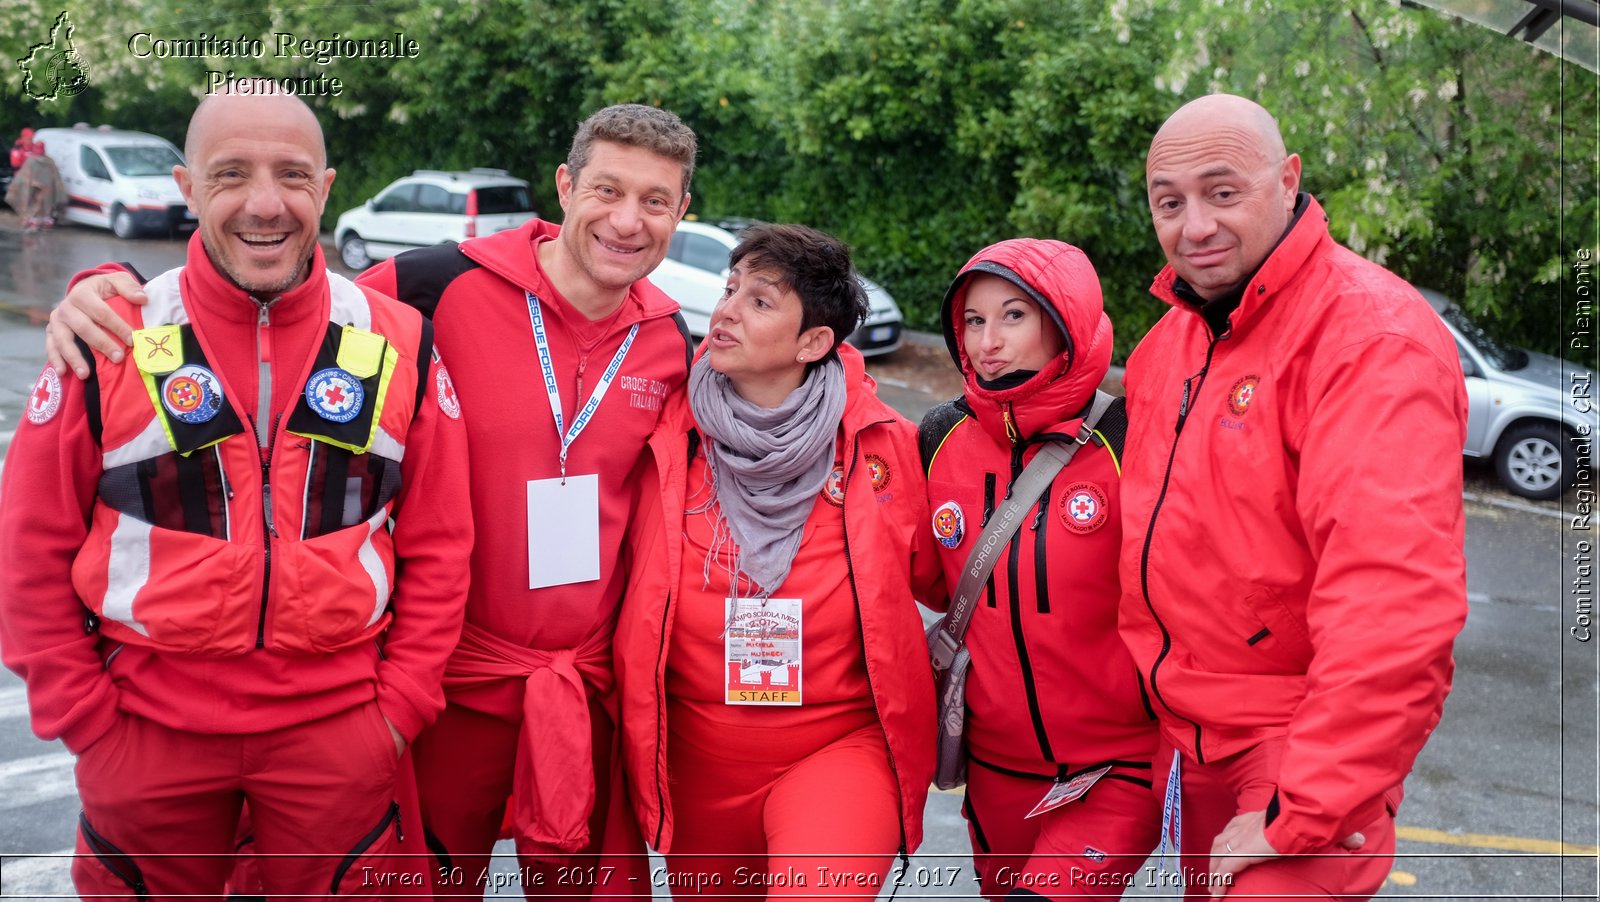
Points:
(84, 314)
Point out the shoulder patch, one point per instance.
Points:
(445, 392)
(935, 427)
(45, 399)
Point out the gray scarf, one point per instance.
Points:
(767, 466)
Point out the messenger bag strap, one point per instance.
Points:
(1035, 478)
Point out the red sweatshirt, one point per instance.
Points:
(50, 480)
(477, 297)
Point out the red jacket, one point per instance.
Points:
(1292, 508)
(890, 562)
(1052, 690)
(476, 297)
(536, 655)
(78, 679)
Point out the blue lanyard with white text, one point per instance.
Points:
(568, 436)
(1172, 819)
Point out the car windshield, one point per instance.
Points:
(1501, 356)
(503, 199)
(148, 159)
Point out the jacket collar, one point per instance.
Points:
(207, 289)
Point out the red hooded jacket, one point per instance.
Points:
(1293, 561)
(887, 551)
(1052, 690)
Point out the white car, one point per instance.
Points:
(1531, 413)
(696, 270)
(430, 207)
(118, 180)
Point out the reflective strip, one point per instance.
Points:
(386, 445)
(347, 306)
(373, 564)
(152, 442)
(127, 571)
(166, 303)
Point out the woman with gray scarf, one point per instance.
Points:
(777, 705)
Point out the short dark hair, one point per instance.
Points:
(814, 265)
(636, 125)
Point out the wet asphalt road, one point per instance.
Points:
(1508, 777)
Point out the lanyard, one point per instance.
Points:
(568, 436)
(1172, 819)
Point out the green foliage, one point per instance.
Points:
(922, 130)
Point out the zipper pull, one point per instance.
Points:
(1183, 406)
(1012, 432)
(266, 505)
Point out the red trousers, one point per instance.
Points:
(775, 817)
(160, 807)
(464, 766)
(1091, 848)
(1215, 792)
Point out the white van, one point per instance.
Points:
(118, 180)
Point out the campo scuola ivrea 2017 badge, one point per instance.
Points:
(762, 651)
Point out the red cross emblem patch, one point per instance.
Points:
(445, 393)
(1083, 507)
(1244, 391)
(45, 399)
(879, 468)
(833, 487)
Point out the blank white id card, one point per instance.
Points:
(563, 531)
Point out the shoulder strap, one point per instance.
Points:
(935, 428)
(951, 632)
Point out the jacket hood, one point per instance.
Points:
(1061, 280)
(507, 254)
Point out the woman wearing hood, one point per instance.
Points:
(777, 703)
(1053, 698)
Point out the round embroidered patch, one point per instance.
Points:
(191, 393)
(445, 392)
(880, 472)
(335, 395)
(833, 486)
(949, 524)
(1083, 507)
(45, 399)
(1243, 392)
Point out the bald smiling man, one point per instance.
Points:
(199, 576)
(1292, 566)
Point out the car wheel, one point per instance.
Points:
(122, 224)
(353, 251)
(1535, 460)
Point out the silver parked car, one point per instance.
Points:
(1529, 412)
